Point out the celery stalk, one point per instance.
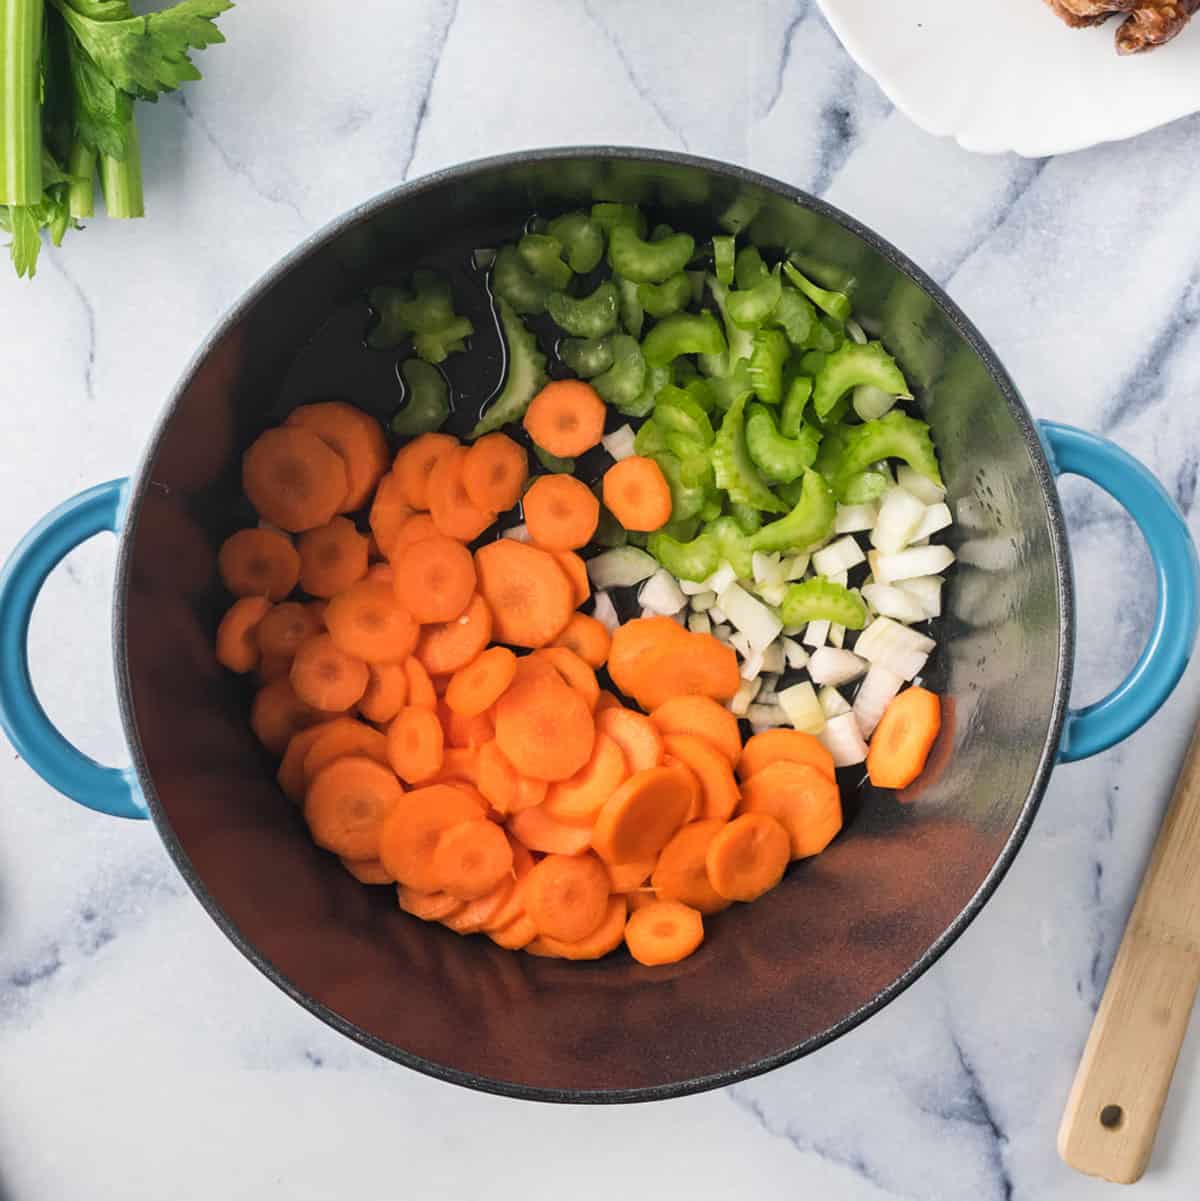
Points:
(81, 193)
(20, 101)
(121, 179)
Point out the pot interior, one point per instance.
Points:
(772, 980)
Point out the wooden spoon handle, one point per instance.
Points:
(1117, 1099)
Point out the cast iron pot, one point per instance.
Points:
(846, 932)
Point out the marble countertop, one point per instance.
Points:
(140, 1053)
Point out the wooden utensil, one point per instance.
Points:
(1117, 1099)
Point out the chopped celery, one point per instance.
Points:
(865, 487)
(700, 391)
(682, 333)
(609, 214)
(434, 346)
(582, 240)
(682, 446)
(676, 411)
(723, 258)
(741, 210)
(779, 459)
(727, 390)
(740, 341)
(749, 520)
(733, 547)
(795, 401)
(683, 530)
(810, 520)
(836, 304)
(661, 231)
(750, 307)
(795, 315)
(647, 262)
(588, 316)
(586, 356)
(750, 270)
(650, 441)
(632, 315)
(514, 282)
(553, 463)
(735, 472)
(712, 506)
(525, 373)
(686, 499)
(622, 383)
(425, 310)
(823, 600)
(695, 560)
(542, 255)
(642, 405)
(895, 436)
(851, 366)
(426, 399)
(661, 300)
(812, 361)
(766, 365)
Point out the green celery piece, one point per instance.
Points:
(808, 523)
(586, 357)
(894, 436)
(811, 362)
(750, 307)
(735, 472)
(695, 560)
(21, 183)
(524, 376)
(676, 411)
(582, 240)
(121, 179)
(733, 547)
(741, 210)
(542, 256)
(609, 531)
(750, 270)
(795, 401)
(686, 499)
(426, 402)
(740, 342)
(700, 391)
(864, 487)
(795, 315)
(695, 278)
(851, 365)
(81, 194)
(513, 282)
(661, 300)
(836, 304)
(695, 467)
(727, 390)
(636, 538)
(684, 372)
(632, 315)
(682, 333)
(588, 316)
(713, 507)
(682, 531)
(685, 449)
(779, 459)
(642, 405)
(647, 262)
(723, 257)
(766, 365)
(609, 214)
(836, 331)
(623, 382)
(553, 463)
(435, 345)
(748, 520)
(661, 231)
(791, 492)
(425, 311)
(148, 55)
(823, 600)
(651, 440)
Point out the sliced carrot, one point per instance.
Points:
(237, 635)
(580, 798)
(530, 793)
(471, 858)
(604, 939)
(718, 787)
(517, 934)
(497, 778)
(428, 905)
(421, 694)
(625, 877)
(416, 529)
(451, 508)
(801, 798)
(793, 745)
(695, 810)
(341, 738)
(664, 932)
(697, 665)
(259, 562)
(446, 646)
(357, 438)
(576, 569)
(293, 479)
(434, 578)
(278, 713)
(566, 418)
(514, 905)
(636, 639)
(637, 494)
(904, 737)
(561, 512)
(476, 914)
(416, 744)
(387, 690)
(681, 873)
(410, 834)
(317, 609)
(494, 473)
(566, 895)
(367, 621)
(273, 667)
(634, 733)
(640, 898)
(607, 700)
(748, 857)
(528, 593)
(702, 716)
(284, 628)
(291, 775)
(637, 821)
(544, 728)
(379, 571)
(460, 765)
(415, 463)
(390, 510)
(368, 871)
(325, 677)
(540, 832)
(468, 732)
(347, 802)
(332, 557)
(479, 684)
(587, 638)
(574, 671)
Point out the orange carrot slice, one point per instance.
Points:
(416, 747)
(347, 802)
(237, 635)
(278, 713)
(792, 745)
(642, 814)
(748, 857)
(576, 570)
(390, 511)
(284, 628)
(409, 836)
(637, 494)
(478, 685)
(293, 479)
(387, 690)
(451, 508)
(358, 440)
(421, 694)
(664, 932)
(566, 418)
(540, 832)
(528, 593)
(566, 896)
(494, 472)
(446, 646)
(415, 463)
(340, 738)
(580, 798)
(802, 799)
(634, 733)
(561, 512)
(368, 871)
(587, 638)
(681, 873)
(904, 737)
(367, 622)
(434, 579)
(605, 938)
(702, 716)
(259, 562)
(544, 728)
(325, 677)
(471, 858)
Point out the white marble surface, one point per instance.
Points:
(141, 1056)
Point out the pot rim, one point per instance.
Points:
(462, 173)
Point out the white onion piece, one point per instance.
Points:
(899, 516)
(796, 567)
(832, 702)
(842, 738)
(518, 533)
(721, 579)
(721, 632)
(751, 666)
(871, 403)
(619, 443)
(793, 653)
(773, 658)
(829, 666)
(927, 590)
(717, 615)
(766, 717)
(815, 633)
(898, 648)
(908, 564)
(693, 587)
(766, 569)
(773, 594)
(701, 602)
(937, 517)
(855, 333)
(838, 556)
(922, 488)
(839, 577)
(621, 568)
(759, 623)
(661, 594)
(877, 689)
(837, 635)
(740, 643)
(889, 600)
(854, 519)
(605, 612)
(698, 623)
(742, 699)
(802, 708)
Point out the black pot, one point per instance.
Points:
(846, 932)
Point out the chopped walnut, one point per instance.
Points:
(1148, 23)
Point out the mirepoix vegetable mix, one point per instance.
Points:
(70, 71)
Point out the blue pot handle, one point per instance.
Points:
(1137, 698)
(105, 789)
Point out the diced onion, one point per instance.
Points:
(698, 623)
(619, 443)
(701, 602)
(889, 600)
(796, 567)
(751, 666)
(773, 594)
(838, 577)
(717, 616)
(898, 648)
(816, 633)
(661, 594)
(760, 625)
(742, 699)
(766, 717)
(767, 569)
(871, 403)
(621, 568)
(854, 519)
(927, 590)
(854, 332)
(842, 738)
(518, 533)
(899, 516)
(937, 517)
(741, 644)
(838, 556)
(837, 635)
(877, 689)
(721, 579)
(802, 708)
(721, 632)
(693, 587)
(773, 657)
(922, 488)
(829, 666)
(908, 564)
(793, 653)
(832, 702)
(605, 612)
